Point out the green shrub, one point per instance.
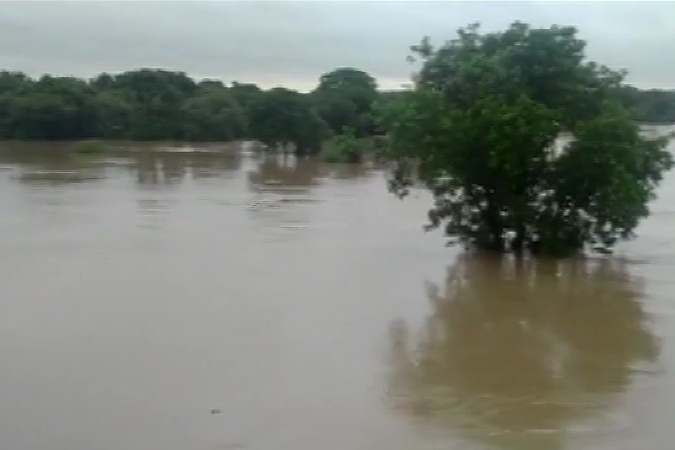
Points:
(89, 146)
(346, 148)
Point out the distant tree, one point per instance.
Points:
(246, 95)
(103, 81)
(344, 98)
(114, 114)
(13, 82)
(650, 106)
(480, 128)
(208, 84)
(213, 115)
(52, 108)
(359, 87)
(284, 118)
(12, 85)
(158, 97)
(157, 104)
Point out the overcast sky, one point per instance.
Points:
(291, 43)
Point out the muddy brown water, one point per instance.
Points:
(156, 300)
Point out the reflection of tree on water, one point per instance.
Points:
(288, 171)
(55, 162)
(349, 171)
(214, 166)
(279, 172)
(513, 355)
(51, 163)
(154, 167)
(281, 188)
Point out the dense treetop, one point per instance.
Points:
(152, 104)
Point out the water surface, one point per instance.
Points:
(144, 288)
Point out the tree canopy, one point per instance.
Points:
(344, 99)
(480, 129)
(283, 117)
(155, 104)
(653, 106)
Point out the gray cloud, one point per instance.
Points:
(292, 43)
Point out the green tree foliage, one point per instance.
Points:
(650, 106)
(213, 115)
(12, 85)
(154, 104)
(157, 96)
(246, 94)
(346, 148)
(480, 130)
(114, 114)
(281, 118)
(344, 98)
(51, 108)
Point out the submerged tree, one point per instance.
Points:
(480, 130)
(283, 118)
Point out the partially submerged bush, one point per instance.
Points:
(346, 148)
(89, 146)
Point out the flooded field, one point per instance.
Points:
(224, 300)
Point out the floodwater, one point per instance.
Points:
(158, 300)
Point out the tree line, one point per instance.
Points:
(654, 106)
(155, 104)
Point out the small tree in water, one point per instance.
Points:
(345, 148)
(480, 128)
